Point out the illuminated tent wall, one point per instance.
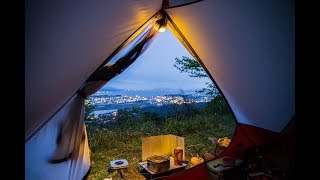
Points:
(247, 46)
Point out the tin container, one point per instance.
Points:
(178, 156)
(158, 163)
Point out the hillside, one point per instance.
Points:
(122, 140)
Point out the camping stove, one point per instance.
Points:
(119, 164)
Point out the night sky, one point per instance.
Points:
(154, 68)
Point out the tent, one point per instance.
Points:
(247, 46)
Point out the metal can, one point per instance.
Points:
(178, 156)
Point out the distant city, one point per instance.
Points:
(108, 101)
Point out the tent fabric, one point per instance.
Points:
(106, 73)
(71, 132)
(178, 34)
(248, 137)
(248, 48)
(126, 46)
(72, 148)
(116, 63)
(176, 3)
(66, 42)
(42, 151)
(98, 79)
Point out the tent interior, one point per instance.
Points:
(247, 46)
(163, 101)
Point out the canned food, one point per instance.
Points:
(178, 156)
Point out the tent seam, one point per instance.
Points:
(200, 61)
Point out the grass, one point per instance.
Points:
(123, 140)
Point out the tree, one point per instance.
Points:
(217, 106)
(190, 66)
(193, 67)
(89, 107)
(182, 106)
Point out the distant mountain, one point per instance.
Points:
(143, 92)
(106, 88)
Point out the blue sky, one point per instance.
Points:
(154, 68)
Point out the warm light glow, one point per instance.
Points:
(159, 28)
(160, 25)
(162, 29)
(162, 144)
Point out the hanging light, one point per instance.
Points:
(160, 24)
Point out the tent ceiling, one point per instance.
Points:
(248, 48)
(66, 41)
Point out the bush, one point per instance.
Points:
(89, 107)
(217, 106)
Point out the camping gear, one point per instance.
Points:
(196, 160)
(224, 142)
(218, 170)
(228, 162)
(162, 144)
(208, 156)
(178, 156)
(220, 145)
(119, 164)
(149, 174)
(73, 48)
(158, 163)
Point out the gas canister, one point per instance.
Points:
(178, 156)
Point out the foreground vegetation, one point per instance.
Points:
(122, 139)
